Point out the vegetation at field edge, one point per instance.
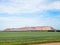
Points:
(25, 38)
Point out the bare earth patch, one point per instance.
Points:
(48, 44)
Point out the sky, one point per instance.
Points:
(21, 13)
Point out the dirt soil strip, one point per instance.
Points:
(58, 43)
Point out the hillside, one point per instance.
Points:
(30, 28)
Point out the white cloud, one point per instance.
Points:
(11, 22)
(18, 21)
(55, 5)
(20, 6)
(27, 6)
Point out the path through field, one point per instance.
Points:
(49, 44)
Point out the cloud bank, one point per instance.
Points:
(27, 6)
(20, 13)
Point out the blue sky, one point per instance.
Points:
(21, 13)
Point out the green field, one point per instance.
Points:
(26, 38)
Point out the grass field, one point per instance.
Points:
(26, 38)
